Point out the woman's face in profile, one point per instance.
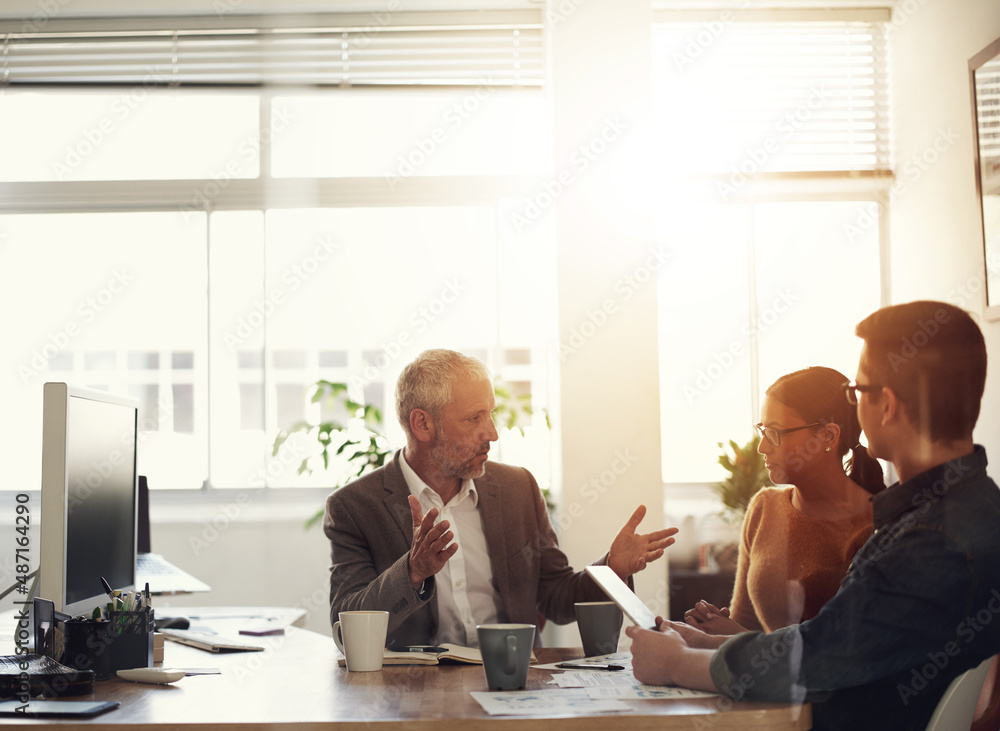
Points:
(787, 460)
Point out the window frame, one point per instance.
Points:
(264, 193)
(873, 186)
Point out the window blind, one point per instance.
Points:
(988, 121)
(402, 49)
(743, 98)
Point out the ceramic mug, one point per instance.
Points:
(506, 651)
(360, 636)
(600, 626)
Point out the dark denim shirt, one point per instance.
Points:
(920, 604)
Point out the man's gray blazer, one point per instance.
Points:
(370, 529)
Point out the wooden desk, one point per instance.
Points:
(296, 684)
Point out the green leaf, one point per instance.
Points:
(344, 446)
(747, 475)
(315, 518)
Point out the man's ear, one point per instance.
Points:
(421, 425)
(892, 407)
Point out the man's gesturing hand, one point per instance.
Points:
(430, 550)
(630, 552)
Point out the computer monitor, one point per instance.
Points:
(88, 516)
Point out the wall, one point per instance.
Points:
(935, 231)
(607, 264)
(249, 550)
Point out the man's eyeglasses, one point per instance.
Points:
(774, 435)
(852, 389)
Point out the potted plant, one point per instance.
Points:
(747, 475)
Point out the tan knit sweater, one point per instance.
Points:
(790, 564)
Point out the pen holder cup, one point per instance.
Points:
(84, 645)
(131, 637)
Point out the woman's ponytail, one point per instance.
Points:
(865, 470)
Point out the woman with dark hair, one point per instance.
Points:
(798, 541)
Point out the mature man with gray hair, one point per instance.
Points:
(443, 539)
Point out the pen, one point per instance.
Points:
(107, 588)
(572, 666)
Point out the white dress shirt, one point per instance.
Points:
(466, 595)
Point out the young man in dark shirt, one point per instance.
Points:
(921, 601)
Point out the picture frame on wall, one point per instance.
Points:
(984, 75)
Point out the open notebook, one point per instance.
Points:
(452, 654)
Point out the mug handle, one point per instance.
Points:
(337, 639)
(511, 655)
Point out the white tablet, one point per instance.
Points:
(618, 591)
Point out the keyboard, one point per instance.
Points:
(209, 641)
(46, 677)
(163, 577)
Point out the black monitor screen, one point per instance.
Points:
(100, 510)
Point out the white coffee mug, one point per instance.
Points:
(360, 636)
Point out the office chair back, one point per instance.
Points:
(987, 717)
(957, 706)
